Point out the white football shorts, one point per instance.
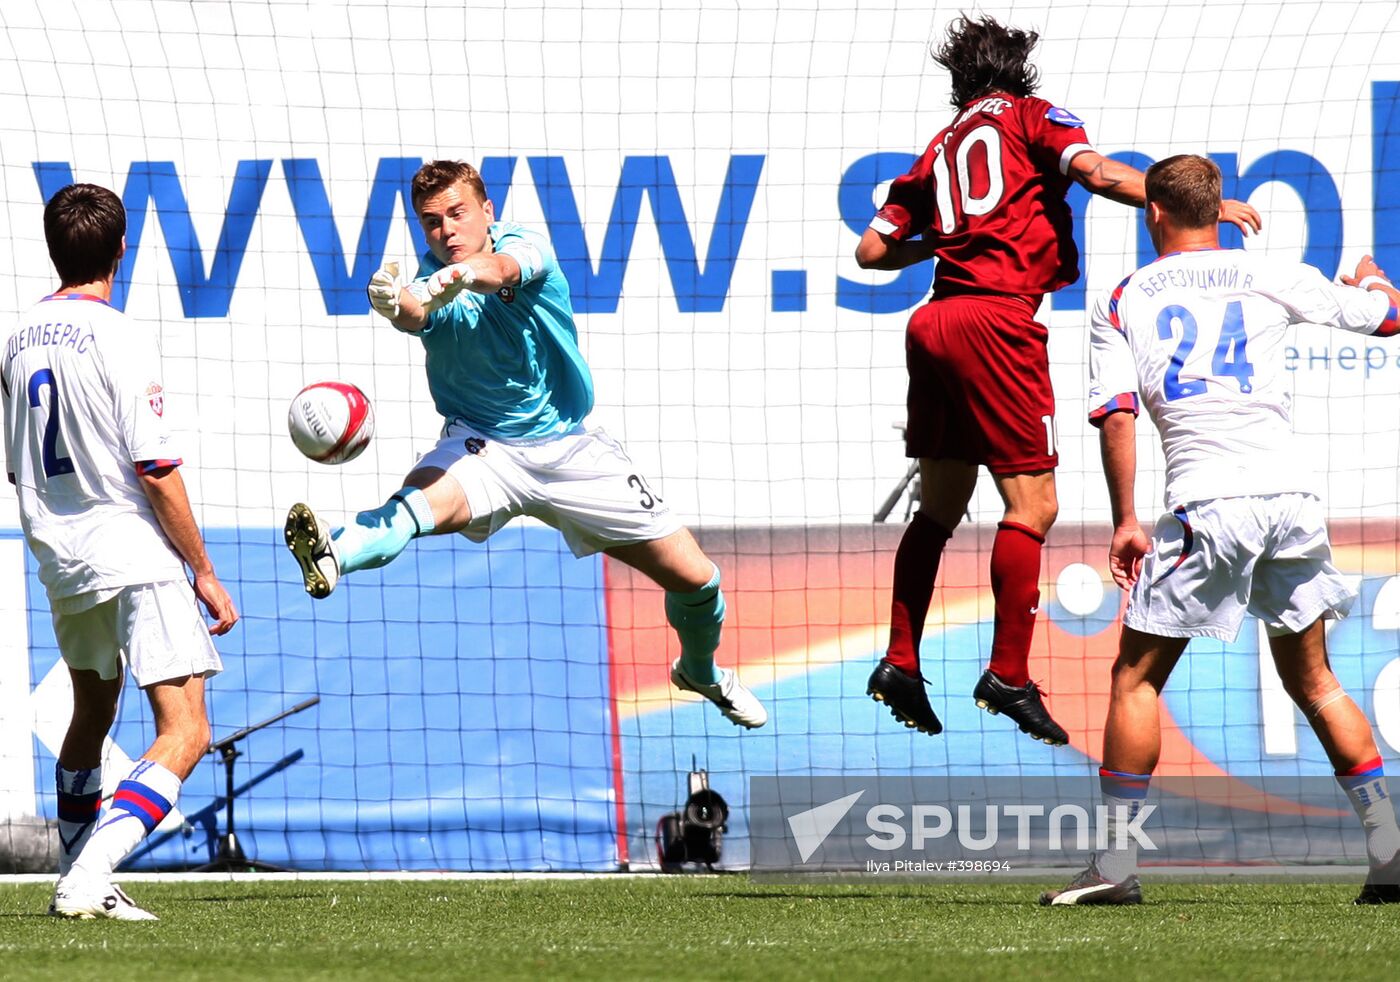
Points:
(1212, 562)
(582, 484)
(155, 627)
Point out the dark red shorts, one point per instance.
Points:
(979, 384)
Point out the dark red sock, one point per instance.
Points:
(915, 569)
(1016, 587)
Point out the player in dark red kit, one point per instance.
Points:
(987, 199)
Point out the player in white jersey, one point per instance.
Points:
(1197, 337)
(105, 513)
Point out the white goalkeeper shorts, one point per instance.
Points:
(155, 627)
(582, 484)
(1212, 562)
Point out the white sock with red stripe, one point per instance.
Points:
(141, 801)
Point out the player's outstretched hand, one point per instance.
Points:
(217, 602)
(1125, 554)
(384, 289)
(1366, 267)
(446, 283)
(1242, 215)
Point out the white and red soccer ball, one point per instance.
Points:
(331, 422)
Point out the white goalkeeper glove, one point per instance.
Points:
(384, 289)
(446, 283)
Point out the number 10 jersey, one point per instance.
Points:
(991, 190)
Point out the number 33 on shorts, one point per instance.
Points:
(647, 498)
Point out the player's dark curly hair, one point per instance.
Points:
(437, 176)
(983, 56)
(83, 226)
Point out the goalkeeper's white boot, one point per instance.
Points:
(85, 898)
(740, 706)
(311, 545)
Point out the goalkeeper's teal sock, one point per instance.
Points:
(698, 618)
(377, 536)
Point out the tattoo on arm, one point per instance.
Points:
(1102, 179)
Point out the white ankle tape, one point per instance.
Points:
(1317, 707)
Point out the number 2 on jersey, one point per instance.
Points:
(54, 465)
(1231, 356)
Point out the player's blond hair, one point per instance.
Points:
(437, 176)
(1187, 188)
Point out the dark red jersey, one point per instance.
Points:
(990, 189)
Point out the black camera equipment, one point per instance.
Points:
(695, 834)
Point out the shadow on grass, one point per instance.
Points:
(907, 894)
(242, 898)
(948, 898)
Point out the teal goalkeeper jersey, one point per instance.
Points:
(508, 363)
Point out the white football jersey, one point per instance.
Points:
(84, 407)
(1200, 337)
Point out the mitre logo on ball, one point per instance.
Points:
(331, 422)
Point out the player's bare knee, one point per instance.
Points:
(1045, 509)
(1039, 515)
(1314, 694)
(199, 735)
(1130, 677)
(946, 517)
(193, 741)
(1305, 680)
(93, 718)
(444, 495)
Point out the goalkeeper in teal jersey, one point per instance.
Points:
(492, 308)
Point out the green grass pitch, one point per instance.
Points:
(722, 927)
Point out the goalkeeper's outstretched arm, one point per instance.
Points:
(408, 306)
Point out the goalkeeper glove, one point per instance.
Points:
(384, 289)
(446, 283)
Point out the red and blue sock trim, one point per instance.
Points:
(79, 803)
(1361, 773)
(141, 801)
(80, 809)
(1365, 782)
(1373, 768)
(1121, 784)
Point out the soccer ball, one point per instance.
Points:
(331, 422)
